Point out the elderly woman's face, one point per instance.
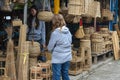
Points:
(33, 11)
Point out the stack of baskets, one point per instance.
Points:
(105, 33)
(97, 41)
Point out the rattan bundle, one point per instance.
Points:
(34, 49)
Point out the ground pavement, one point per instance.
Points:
(105, 70)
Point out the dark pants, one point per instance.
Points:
(60, 70)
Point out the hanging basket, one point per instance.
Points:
(80, 33)
(45, 16)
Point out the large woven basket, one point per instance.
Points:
(45, 15)
(34, 49)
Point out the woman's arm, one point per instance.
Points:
(52, 42)
(43, 32)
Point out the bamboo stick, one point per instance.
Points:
(10, 61)
(19, 64)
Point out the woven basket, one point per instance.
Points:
(80, 33)
(85, 43)
(34, 49)
(45, 15)
(96, 36)
(16, 22)
(77, 2)
(74, 9)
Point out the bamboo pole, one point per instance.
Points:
(10, 61)
(20, 58)
(95, 23)
(25, 55)
(25, 12)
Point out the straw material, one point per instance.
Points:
(10, 61)
(16, 22)
(77, 2)
(76, 7)
(92, 8)
(107, 13)
(5, 78)
(34, 49)
(79, 33)
(45, 15)
(71, 18)
(6, 8)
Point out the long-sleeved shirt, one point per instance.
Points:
(37, 34)
(60, 45)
